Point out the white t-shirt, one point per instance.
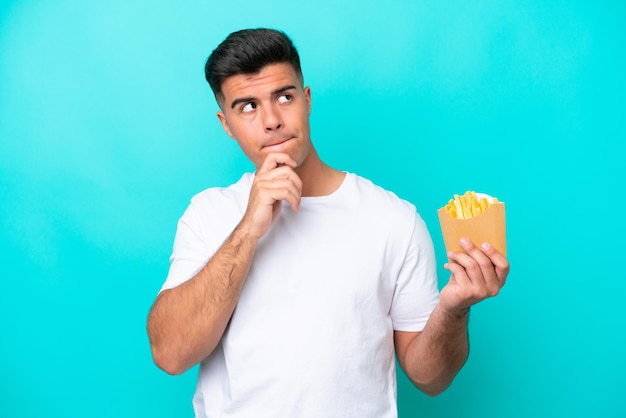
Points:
(312, 333)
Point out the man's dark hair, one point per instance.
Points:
(247, 52)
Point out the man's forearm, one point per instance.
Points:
(186, 323)
(437, 354)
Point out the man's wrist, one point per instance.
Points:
(456, 314)
(245, 232)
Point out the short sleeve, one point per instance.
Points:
(416, 293)
(189, 253)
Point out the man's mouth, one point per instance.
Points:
(277, 141)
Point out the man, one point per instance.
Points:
(293, 287)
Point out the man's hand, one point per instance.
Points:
(476, 275)
(187, 322)
(275, 181)
(433, 357)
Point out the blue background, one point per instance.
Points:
(107, 128)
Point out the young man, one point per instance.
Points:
(294, 286)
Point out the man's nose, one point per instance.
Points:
(272, 120)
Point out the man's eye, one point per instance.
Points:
(248, 107)
(284, 98)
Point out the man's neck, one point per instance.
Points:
(318, 179)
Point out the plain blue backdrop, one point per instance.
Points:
(107, 128)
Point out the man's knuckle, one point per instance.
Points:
(474, 268)
(493, 291)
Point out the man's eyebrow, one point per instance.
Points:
(283, 89)
(250, 99)
(241, 100)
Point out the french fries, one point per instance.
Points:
(470, 205)
(476, 216)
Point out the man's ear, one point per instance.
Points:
(224, 122)
(307, 97)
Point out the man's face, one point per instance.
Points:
(267, 112)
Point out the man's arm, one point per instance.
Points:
(433, 357)
(187, 322)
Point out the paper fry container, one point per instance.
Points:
(489, 226)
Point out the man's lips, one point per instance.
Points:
(277, 141)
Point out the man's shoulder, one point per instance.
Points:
(233, 193)
(219, 208)
(383, 198)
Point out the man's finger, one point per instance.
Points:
(284, 189)
(499, 261)
(487, 271)
(280, 177)
(275, 160)
(459, 273)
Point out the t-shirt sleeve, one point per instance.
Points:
(189, 253)
(416, 293)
